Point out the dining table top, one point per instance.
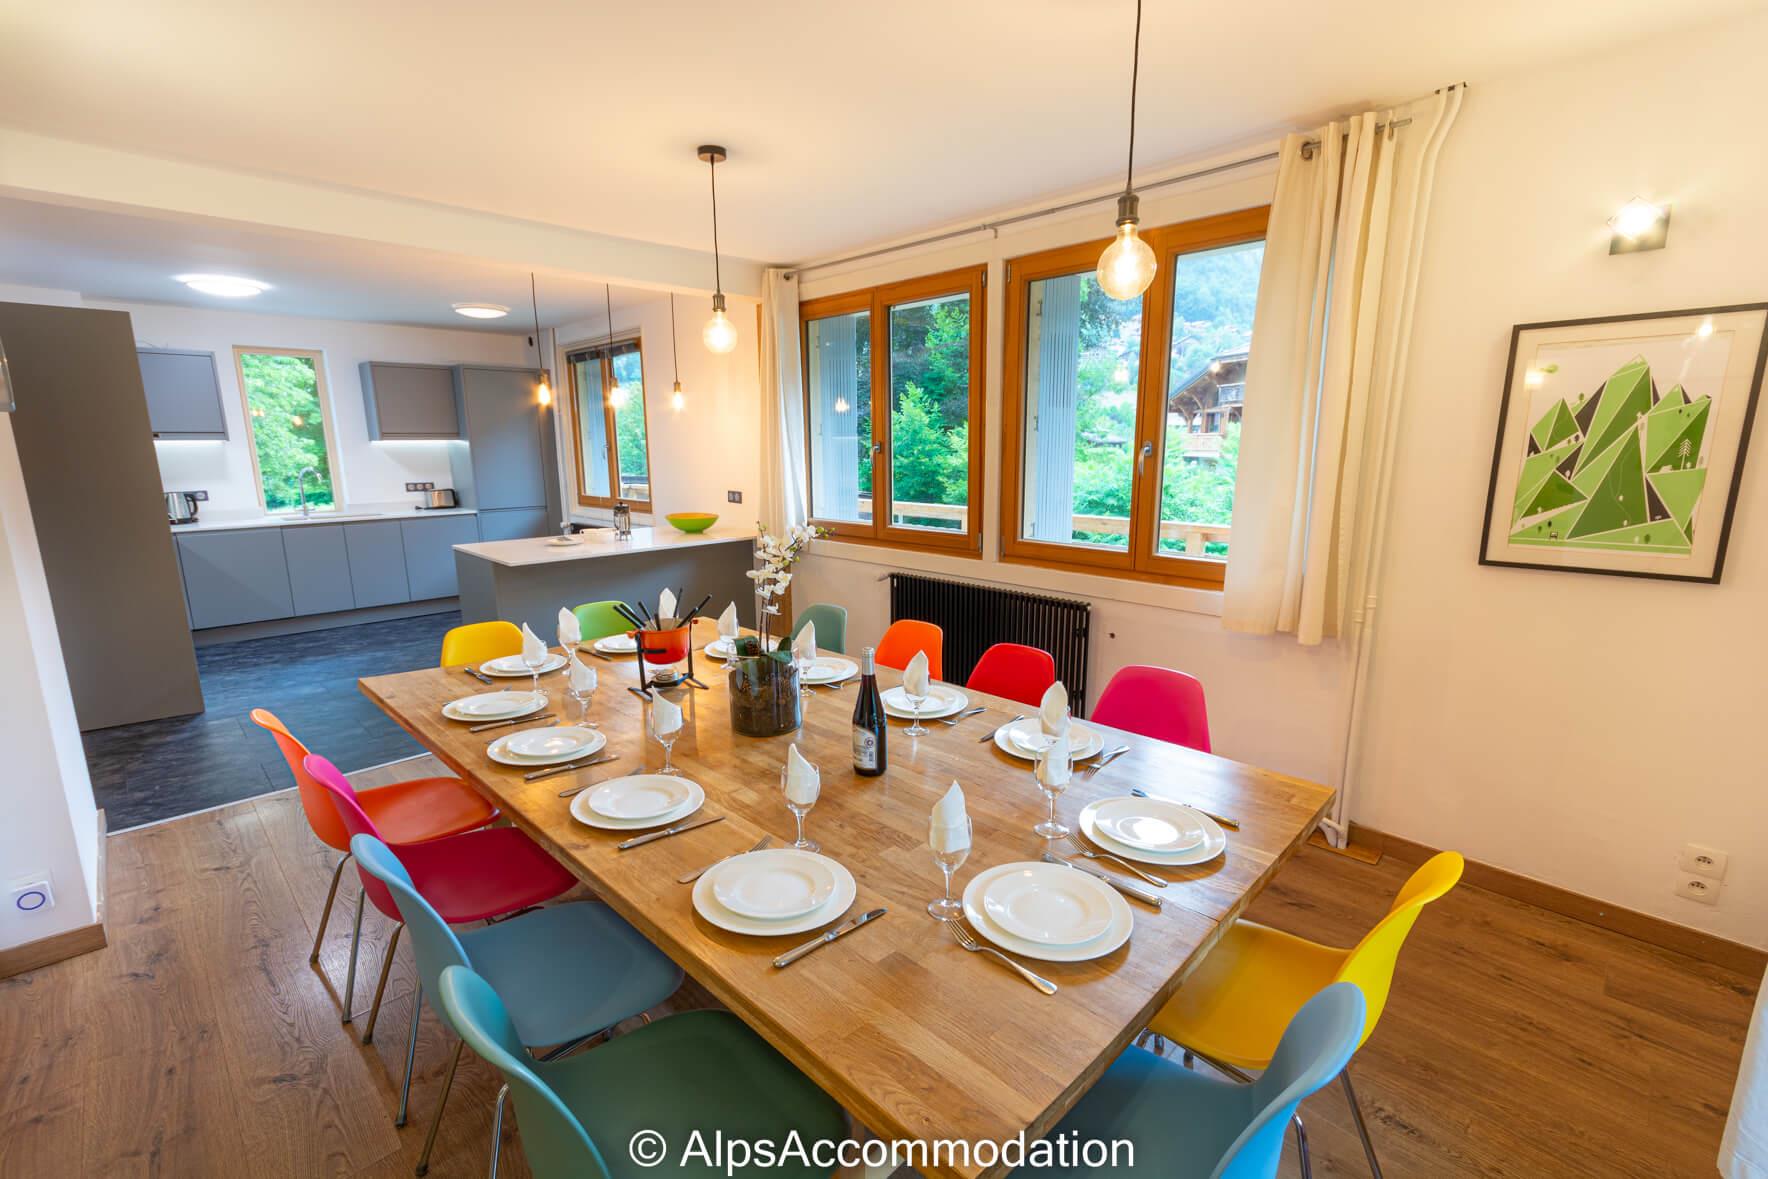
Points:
(917, 1039)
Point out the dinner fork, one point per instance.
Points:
(693, 876)
(1090, 854)
(1224, 820)
(953, 720)
(968, 940)
(989, 736)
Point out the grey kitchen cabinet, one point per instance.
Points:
(319, 568)
(183, 393)
(508, 461)
(429, 553)
(235, 577)
(414, 401)
(377, 563)
(515, 523)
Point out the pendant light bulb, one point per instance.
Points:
(677, 399)
(543, 391)
(616, 394)
(720, 334)
(1127, 266)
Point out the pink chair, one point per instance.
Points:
(1156, 702)
(467, 877)
(1014, 671)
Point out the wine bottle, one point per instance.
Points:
(869, 726)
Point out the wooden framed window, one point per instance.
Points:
(1122, 419)
(610, 438)
(893, 411)
(288, 423)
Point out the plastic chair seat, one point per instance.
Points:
(425, 808)
(699, 1070)
(569, 970)
(483, 873)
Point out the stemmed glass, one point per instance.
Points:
(946, 908)
(583, 695)
(915, 702)
(799, 810)
(1051, 769)
(534, 663)
(666, 740)
(803, 663)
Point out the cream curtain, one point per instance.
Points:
(1323, 384)
(783, 501)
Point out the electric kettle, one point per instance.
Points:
(180, 507)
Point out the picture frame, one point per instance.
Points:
(1621, 442)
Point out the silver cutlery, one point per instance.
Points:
(641, 840)
(990, 735)
(1091, 854)
(695, 875)
(968, 940)
(1101, 760)
(953, 720)
(1123, 886)
(581, 787)
(568, 768)
(478, 675)
(1224, 820)
(817, 943)
(600, 655)
(518, 720)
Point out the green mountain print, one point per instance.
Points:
(1621, 469)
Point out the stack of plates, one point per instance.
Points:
(1153, 831)
(1048, 911)
(830, 669)
(545, 747)
(621, 644)
(638, 801)
(512, 665)
(1025, 738)
(778, 891)
(494, 706)
(721, 648)
(940, 701)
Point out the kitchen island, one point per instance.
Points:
(529, 580)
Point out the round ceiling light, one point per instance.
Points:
(224, 285)
(481, 310)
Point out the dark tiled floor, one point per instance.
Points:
(158, 769)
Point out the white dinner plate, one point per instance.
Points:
(830, 669)
(490, 706)
(563, 541)
(941, 701)
(554, 743)
(774, 885)
(585, 814)
(1115, 935)
(1215, 841)
(500, 752)
(640, 796)
(706, 905)
(1025, 738)
(512, 665)
(621, 644)
(721, 648)
(1150, 824)
(1049, 904)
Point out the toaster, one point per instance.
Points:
(441, 498)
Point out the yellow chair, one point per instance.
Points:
(478, 642)
(1233, 1010)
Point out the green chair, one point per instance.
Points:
(699, 1070)
(598, 620)
(831, 626)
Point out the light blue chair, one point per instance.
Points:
(699, 1071)
(831, 626)
(1187, 1125)
(569, 971)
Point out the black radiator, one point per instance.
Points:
(975, 617)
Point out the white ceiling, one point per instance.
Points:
(848, 123)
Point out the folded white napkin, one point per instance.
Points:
(533, 650)
(914, 676)
(948, 831)
(1052, 714)
(665, 605)
(727, 622)
(582, 676)
(665, 715)
(570, 634)
(1056, 764)
(804, 643)
(803, 782)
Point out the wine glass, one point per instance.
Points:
(1051, 769)
(666, 740)
(534, 663)
(915, 703)
(583, 691)
(803, 663)
(946, 908)
(799, 810)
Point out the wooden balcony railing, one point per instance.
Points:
(1193, 537)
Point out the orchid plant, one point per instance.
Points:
(776, 556)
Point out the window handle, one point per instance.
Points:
(877, 448)
(1142, 458)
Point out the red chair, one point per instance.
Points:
(1014, 671)
(467, 877)
(1156, 702)
(904, 637)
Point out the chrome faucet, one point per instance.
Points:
(301, 488)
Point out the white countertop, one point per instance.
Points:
(296, 520)
(599, 543)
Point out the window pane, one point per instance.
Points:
(592, 424)
(288, 428)
(629, 427)
(1083, 349)
(930, 413)
(839, 353)
(1214, 292)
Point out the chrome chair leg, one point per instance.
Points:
(1301, 1145)
(374, 1010)
(1188, 1058)
(1357, 1117)
(497, 1129)
(423, 1162)
(355, 947)
(417, 1008)
(325, 913)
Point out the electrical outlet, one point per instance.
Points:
(1694, 888)
(33, 896)
(1703, 861)
(414, 487)
(735, 497)
(201, 497)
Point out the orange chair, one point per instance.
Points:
(904, 638)
(1014, 671)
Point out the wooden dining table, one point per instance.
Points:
(916, 1038)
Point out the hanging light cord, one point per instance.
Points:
(1135, 78)
(534, 299)
(717, 273)
(674, 348)
(608, 296)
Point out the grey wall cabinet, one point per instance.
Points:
(319, 568)
(515, 523)
(377, 563)
(235, 577)
(183, 393)
(429, 553)
(410, 401)
(508, 461)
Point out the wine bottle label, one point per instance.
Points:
(865, 749)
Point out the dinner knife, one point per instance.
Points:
(1123, 886)
(817, 943)
(568, 768)
(519, 720)
(1224, 820)
(641, 840)
(1105, 759)
(478, 675)
(990, 735)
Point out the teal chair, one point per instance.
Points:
(831, 626)
(699, 1070)
(570, 971)
(598, 620)
(1186, 1125)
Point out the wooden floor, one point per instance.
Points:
(200, 1042)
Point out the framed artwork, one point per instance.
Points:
(1621, 442)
